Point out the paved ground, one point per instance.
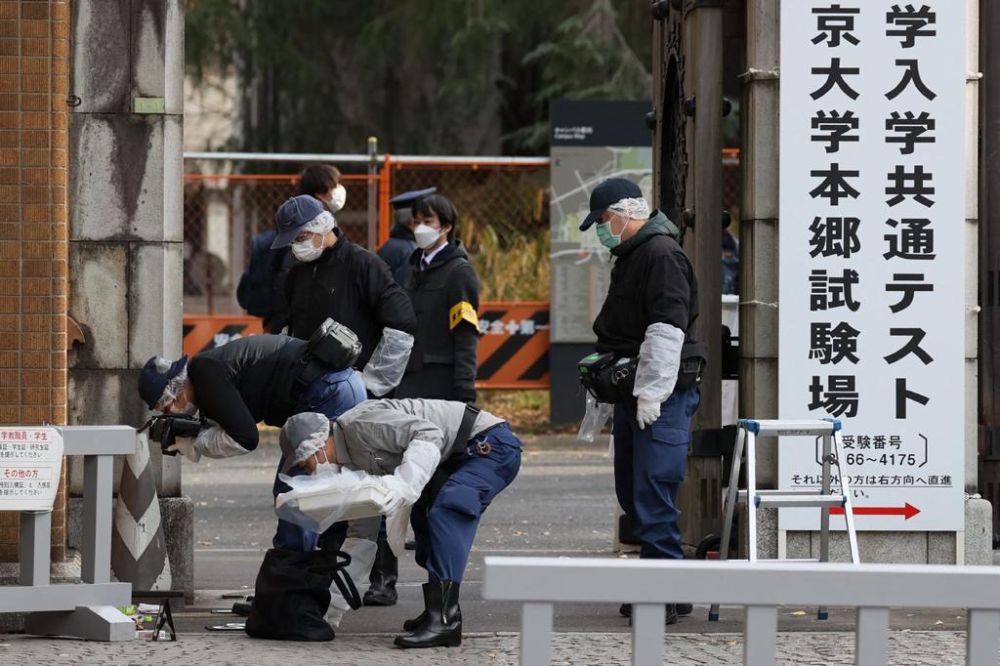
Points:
(918, 648)
(560, 505)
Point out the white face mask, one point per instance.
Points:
(306, 250)
(426, 236)
(337, 199)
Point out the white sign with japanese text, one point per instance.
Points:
(872, 254)
(30, 465)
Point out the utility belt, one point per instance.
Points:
(331, 348)
(611, 379)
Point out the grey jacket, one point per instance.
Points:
(373, 435)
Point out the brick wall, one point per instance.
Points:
(34, 66)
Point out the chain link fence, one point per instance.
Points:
(502, 204)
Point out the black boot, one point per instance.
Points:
(383, 577)
(443, 626)
(412, 624)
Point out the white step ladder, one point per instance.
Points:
(748, 430)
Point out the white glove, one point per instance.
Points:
(334, 615)
(185, 446)
(399, 494)
(214, 442)
(647, 411)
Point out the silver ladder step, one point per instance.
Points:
(773, 428)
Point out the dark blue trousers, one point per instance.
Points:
(649, 469)
(445, 524)
(330, 395)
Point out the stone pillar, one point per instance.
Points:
(34, 45)
(126, 202)
(759, 230)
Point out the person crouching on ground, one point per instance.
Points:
(446, 461)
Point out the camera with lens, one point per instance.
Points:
(166, 428)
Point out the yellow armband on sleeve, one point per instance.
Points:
(463, 311)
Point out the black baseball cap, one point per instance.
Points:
(292, 216)
(607, 193)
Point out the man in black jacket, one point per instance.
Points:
(648, 315)
(340, 280)
(236, 386)
(444, 289)
(399, 248)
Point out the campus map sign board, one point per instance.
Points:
(591, 141)
(872, 254)
(30, 464)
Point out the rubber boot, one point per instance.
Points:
(385, 570)
(412, 624)
(443, 627)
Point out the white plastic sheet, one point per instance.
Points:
(385, 368)
(317, 502)
(594, 419)
(659, 362)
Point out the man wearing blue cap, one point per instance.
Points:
(401, 244)
(648, 316)
(340, 280)
(234, 387)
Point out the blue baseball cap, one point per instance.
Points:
(407, 199)
(292, 216)
(152, 382)
(606, 194)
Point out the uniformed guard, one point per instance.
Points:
(444, 289)
(407, 444)
(648, 318)
(399, 248)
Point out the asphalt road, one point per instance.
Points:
(561, 504)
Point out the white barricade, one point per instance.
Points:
(760, 587)
(87, 609)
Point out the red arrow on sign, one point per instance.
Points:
(907, 511)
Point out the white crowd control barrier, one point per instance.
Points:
(760, 587)
(87, 609)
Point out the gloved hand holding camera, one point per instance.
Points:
(167, 428)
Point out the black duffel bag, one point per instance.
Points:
(292, 594)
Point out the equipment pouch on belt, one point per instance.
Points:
(334, 346)
(607, 378)
(694, 358)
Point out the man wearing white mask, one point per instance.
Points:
(338, 279)
(263, 287)
(405, 445)
(444, 289)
